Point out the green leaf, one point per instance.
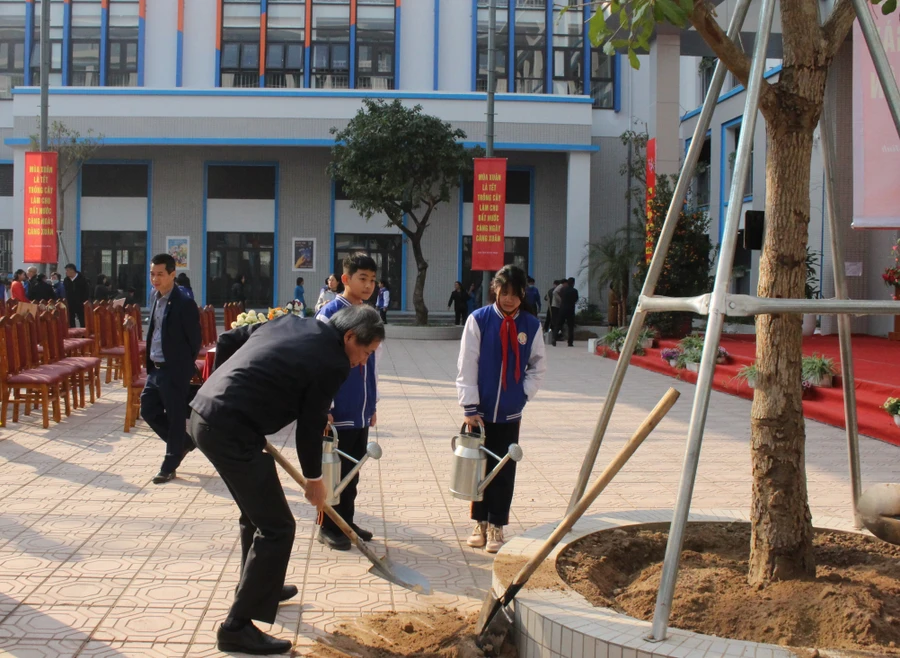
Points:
(687, 6)
(633, 59)
(609, 48)
(889, 7)
(876, 2)
(597, 29)
(672, 12)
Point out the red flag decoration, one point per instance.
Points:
(651, 192)
(489, 199)
(41, 177)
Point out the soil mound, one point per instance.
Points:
(436, 633)
(852, 605)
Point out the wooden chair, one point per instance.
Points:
(107, 340)
(71, 332)
(211, 325)
(20, 386)
(134, 377)
(88, 366)
(37, 357)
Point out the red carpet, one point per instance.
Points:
(876, 368)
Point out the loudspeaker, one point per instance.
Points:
(754, 228)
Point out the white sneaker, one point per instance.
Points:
(495, 539)
(478, 537)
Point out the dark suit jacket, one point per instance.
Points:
(180, 334)
(269, 375)
(39, 291)
(76, 292)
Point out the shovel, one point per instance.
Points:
(382, 567)
(493, 604)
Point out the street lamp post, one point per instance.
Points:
(489, 136)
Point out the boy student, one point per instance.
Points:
(354, 404)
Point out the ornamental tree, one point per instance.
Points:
(782, 533)
(397, 161)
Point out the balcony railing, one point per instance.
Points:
(284, 80)
(330, 81)
(375, 82)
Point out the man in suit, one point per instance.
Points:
(565, 314)
(268, 376)
(173, 345)
(76, 287)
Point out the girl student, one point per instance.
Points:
(501, 365)
(384, 299)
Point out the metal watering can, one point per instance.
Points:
(467, 477)
(331, 465)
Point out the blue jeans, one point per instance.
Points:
(164, 407)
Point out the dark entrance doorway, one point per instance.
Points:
(386, 250)
(120, 255)
(230, 255)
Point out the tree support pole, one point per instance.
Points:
(715, 323)
(659, 256)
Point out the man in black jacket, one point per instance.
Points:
(77, 293)
(39, 290)
(173, 342)
(565, 314)
(268, 376)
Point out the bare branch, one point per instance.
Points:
(837, 27)
(728, 52)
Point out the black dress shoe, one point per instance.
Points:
(163, 477)
(364, 534)
(288, 592)
(336, 541)
(250, 639)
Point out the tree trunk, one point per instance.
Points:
(421, 272)
(781, 538)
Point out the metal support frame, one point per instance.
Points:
(720, 304)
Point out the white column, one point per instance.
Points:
(665, 101)
(578, 217)
(18, 214)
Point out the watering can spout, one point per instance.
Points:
(469, 477)
(373, 450)
(514, 453)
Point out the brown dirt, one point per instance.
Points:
(434, 633)
(853, 604)
(545, 577)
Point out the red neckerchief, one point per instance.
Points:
(509, 336)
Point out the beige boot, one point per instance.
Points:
(479, 535)
(495, 539)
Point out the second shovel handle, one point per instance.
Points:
(294, 472)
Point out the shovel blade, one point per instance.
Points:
(400, 575)
(494, 621)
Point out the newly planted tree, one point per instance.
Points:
(73, 150)
(397, 161)
(781, 543)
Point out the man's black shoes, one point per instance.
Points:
(250, 639)
(162, 477)
(287, 592)
(364, 534)
(333, 539)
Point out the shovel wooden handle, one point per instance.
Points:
(649, 424)
(295, 473)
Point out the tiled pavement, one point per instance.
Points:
(96, 561)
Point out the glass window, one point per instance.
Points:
(387, 252)
(501, 43)
(6, 251)
(121, 255)
(568, 55)
(123, 44)
(285, 36)
(602, 79)
(702, 177)
(241, 182)
(56, 46)
(375, 46)
(234, 255)
(114, 180)
(239, 65)
(330, 44)
(12, 46)
(84, 60)
(515, 252)
(6, 182)
(732, 156)
(531, 45)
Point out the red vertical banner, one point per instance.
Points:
(651, 192)
(41, 177)
(489, 213)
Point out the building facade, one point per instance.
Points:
(215, 116)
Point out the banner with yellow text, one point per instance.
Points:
(41, 178)
(651, 192)
(876, 145)
(489, 214)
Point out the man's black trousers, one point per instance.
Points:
(76, 312)
(498, 495)
(164, 407)
(353, 442)
(564, 318)
(267, 524)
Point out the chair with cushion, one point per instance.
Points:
(108, 342)
(20, 386)
(88, 366)
(134, 378)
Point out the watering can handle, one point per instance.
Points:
(462, 430)
(331, 428)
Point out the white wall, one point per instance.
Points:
(417, 45)
(348, 220)
(455, 44)
(517, 223)
(113, 214)
(161, 48)
(232, 215)
(199, 43)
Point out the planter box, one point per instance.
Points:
(693, 367)
(648, 343)
(822, 382)
(592, 345)
(721, 360)
(897, 421)
(673, 362)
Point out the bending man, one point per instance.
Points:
(282, 371)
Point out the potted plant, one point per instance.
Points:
(648, 337)
(808, 390)
(722, 356)
(670, 355)
(812, 292)
(891, 274)
(892, 406)
(694, 341)
(818, 370)
(614, 338)
(748, 375)
(689, 359)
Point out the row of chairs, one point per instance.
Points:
(38, 370)
(232, 311)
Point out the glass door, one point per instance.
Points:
(231, 256)
(387, 252)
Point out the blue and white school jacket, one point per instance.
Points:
(478, 383)
(354, 404)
